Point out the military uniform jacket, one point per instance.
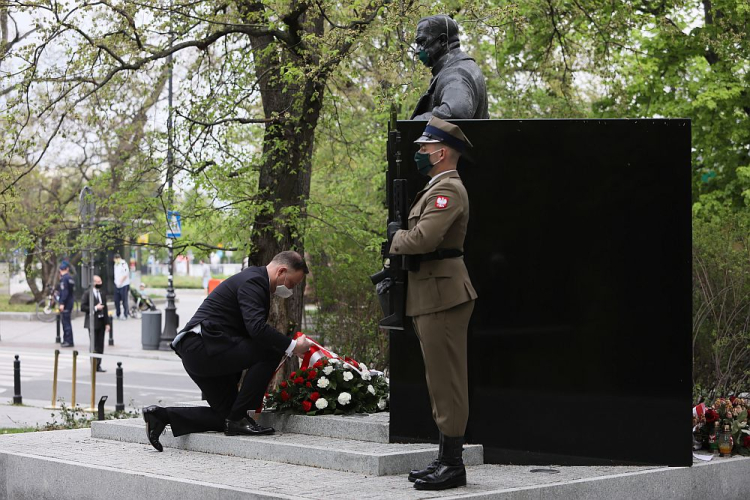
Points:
(457, 90)
(437, 219)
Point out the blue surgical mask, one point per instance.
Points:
(423, 161)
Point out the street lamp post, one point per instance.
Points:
(171, 319)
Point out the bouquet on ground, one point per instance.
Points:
(731, 412)
(329, 384)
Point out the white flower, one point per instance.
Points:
(363, 367)
(344, 398)
(381, 404)
(348, 376)
(322, 382)
(322, 403)
(334, 361)
(366, 375)
(371, 389)
(387, 381)
(328, 370)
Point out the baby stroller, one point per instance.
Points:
(140, 303)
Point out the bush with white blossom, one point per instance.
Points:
(331, 387)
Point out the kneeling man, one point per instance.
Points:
(228, 334)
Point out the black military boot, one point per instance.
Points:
(420, 473)
(450, 472)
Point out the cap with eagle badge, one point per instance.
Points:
(438, 130)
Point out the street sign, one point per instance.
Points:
(174, 224)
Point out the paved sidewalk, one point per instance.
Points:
(29, 338)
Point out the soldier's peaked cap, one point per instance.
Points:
(438, 130)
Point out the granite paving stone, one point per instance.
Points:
(294, 481)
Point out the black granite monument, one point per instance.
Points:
(579, 247)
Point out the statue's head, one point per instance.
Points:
(436, 36)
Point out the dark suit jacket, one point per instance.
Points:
(237, 309)
(102, 317)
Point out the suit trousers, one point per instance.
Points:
(218, 376)
(443, 336)
(99, 342)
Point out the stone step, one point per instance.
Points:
(362, 427)
(71, 465)
(377, 459)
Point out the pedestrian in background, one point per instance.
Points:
(67, 287)
(206, 275)
(122, 287)
(101, 317)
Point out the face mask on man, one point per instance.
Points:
(282, 291)
(423, 161)
(98, 285)
(424, 54)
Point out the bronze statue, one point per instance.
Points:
(457, 88)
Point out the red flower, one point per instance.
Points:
(299, 380)
(711, 416)
(285, 396)
(306, 405)
(318, 364)
(283, 384)
(308, 385)
(315, 396)
(745, 439)
(292, 375)
(312, 374)
(732, 398)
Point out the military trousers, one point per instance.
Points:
(443, 337)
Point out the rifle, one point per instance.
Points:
(390, 282)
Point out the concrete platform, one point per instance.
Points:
(362, 427)
(71, 465)
(375, 459)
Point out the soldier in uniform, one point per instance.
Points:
(457, 88)
(67, 287)
(440, 297)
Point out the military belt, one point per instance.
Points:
(440, 254)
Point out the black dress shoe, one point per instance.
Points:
(66, 344)
(246, 426)
(100, 369)
(154, 426)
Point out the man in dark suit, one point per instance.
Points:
(101, 317)
(228, 334)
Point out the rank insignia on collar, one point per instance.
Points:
(441, 202)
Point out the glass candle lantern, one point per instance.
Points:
(725, 441)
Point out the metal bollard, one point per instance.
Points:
(111, 330)
(17, 399)
(73, 397)
(92, 408)
(120, 405)
(101, 407)
(54, 406)
(57, 320)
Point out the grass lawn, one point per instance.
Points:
(5, 307)
(159, 281)
(17, 430)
